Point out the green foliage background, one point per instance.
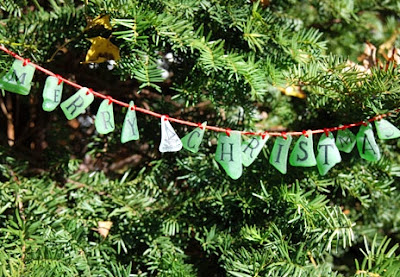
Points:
(178, 214)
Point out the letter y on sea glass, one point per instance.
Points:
(130, 129)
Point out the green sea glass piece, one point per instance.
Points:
(229, 154)
(170, 141)
(345, 140)
(193, 140)
(104, 121)
(130, 129)
(328, 153)
(386, 130)
(303, 152)
(366, 144)
(18, 79)
(77, 103)
(279, 153)
(251, 148)
(51, 94)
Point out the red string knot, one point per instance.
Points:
(200, 125)
(364, 123)
(264, 134)
(326, 131)
(166, 117)
(26, 61)
(59, 79)
(305, 133)
(133, 108)
(284, 135)
(228, 132)
(89, 91)
(110, 100)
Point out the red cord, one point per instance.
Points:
(189, 123)
(59, 79)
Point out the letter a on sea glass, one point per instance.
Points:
(279, 153)
(345, 140)
(386, 130)
(328, 153)
(251, 148)
(366, 144)
(77, 103)
(51, 94)
(303, 152)
(193, 140)
(229, 154)
(170, 141)
(104, 121)
(18, 79)
(130, 129)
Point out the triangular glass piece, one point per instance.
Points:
(77, 103)
(279, 153)
(193, 140)
(229, 154)
(251, 148)
(104, 121)
(328, 153)
(386, 130)
(345, 140)
(303, 152)
(52, 93)
(170, 141)
(130, 129)
(18, 79)
(366, 144)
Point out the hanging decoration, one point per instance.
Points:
(232, 153)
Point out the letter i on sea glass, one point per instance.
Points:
(18, 79)
(229, 154)
(104, 121)
(279, 153)
(193, 140)
(130, 129)
(52, 93)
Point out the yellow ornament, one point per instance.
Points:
(100, 20)
(102, 50)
